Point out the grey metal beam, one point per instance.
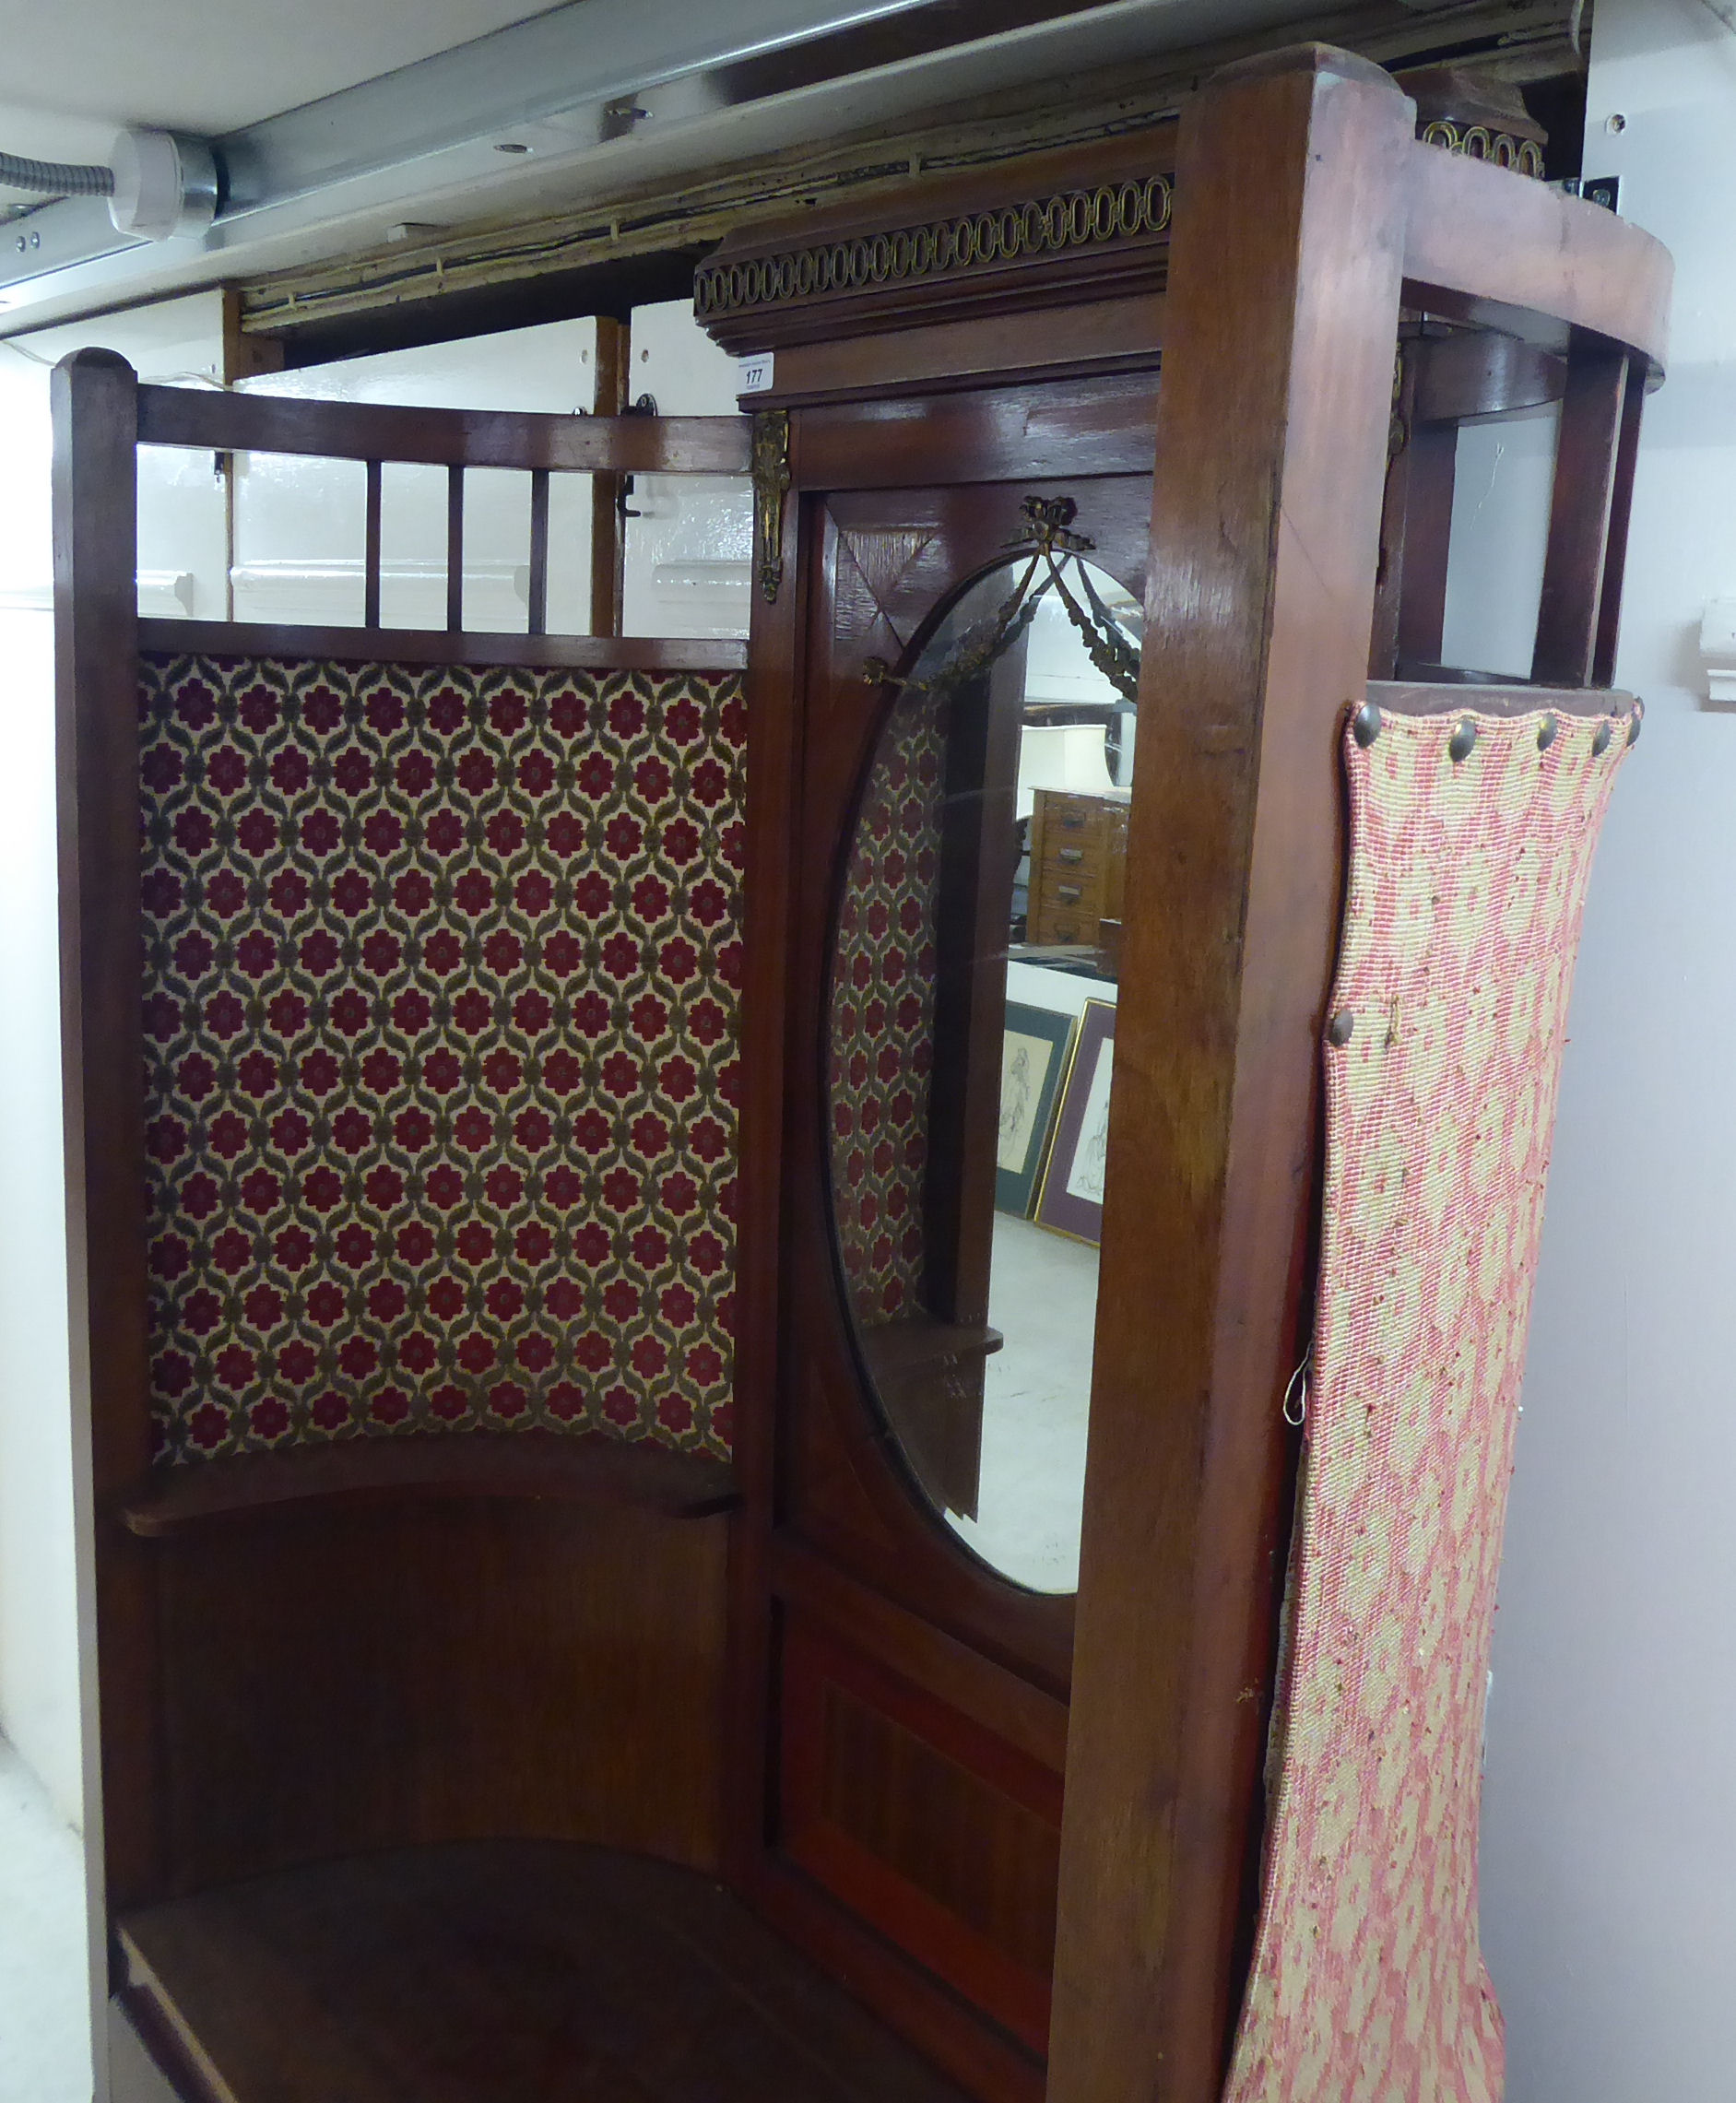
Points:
(594, 93)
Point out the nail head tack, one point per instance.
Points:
(1366, 725)
(1546, 731)
(1600, 742)
(1338, 1029)
(1458, 747)
(1633, 721)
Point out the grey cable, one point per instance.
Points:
(56, 178)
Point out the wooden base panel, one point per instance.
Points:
(514, 1970)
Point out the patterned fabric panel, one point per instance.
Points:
(442, 973)
(1463, 922)
(882, 1015)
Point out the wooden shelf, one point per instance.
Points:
(498, 1972)
(585, 1470)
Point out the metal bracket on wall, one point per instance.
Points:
(1605, 190)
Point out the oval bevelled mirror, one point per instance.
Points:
(971, 1023)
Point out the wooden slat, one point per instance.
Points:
(609, 551)
(1615, 548)
(1430, 473)
(1272, 423)
(1574, 565)
(532, 1464)
(371, 556)
(442, 438)
(536, 623)
(455, 548)
(1487, 233)
(440, 646)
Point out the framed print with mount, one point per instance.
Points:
(1071, 1197)
(1032, 1061)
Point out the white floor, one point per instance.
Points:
(1043, 1298)
(45, 2010)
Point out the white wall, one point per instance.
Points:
(1609, 1835)
(182, 541)
(299, 522)
(689, 552)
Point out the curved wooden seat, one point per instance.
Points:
(529, 1464)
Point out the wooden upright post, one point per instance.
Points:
(95, 680)
(609, 528)
(1272, 443)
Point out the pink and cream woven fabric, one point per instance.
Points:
(1467, 884)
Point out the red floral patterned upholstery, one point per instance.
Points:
(1467, 883)
(441, 984)
(882, 1019)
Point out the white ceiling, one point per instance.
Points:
(77, 73)
(78, 70)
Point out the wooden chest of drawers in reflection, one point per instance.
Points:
(1079, 848)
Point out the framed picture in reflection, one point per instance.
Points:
(1071, 1199)
(1033, 1060)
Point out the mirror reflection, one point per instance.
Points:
(972, 1039)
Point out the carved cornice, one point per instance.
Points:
(1026, 229)
(1062, 229)
(1089, 223)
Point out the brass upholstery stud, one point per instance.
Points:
(1366, 725)
(1600, 742)
(1338, 1031)
(1633, 721)
(1458, 747)
(1546, 731)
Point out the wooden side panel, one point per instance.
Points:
(1272, 445)
(336, 1682)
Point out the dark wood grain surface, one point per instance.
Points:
(1488, 235)
(511, 1973)
(340, 1678)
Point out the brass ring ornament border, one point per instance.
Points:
(1032, 226)
(1479, 142)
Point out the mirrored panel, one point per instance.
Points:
(972, 1040)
